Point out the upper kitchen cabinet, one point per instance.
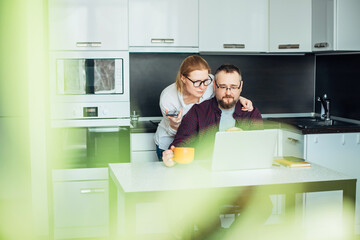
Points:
(163, 25)
(88, 24)
(323, 25)
(290, 25)
(335, 25)
(233, 26)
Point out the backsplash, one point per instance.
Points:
(275, 83)
(339, 77)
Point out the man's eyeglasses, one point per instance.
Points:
(199, 82)
(224, 88)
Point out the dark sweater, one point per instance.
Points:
(200, 124)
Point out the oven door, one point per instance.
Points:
(89, 147)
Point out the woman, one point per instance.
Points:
(190, 87)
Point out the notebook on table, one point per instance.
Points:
(244, 150)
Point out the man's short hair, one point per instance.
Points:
(228, 68)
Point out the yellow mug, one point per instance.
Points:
(183, 155)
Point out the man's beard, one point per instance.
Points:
(225, 105)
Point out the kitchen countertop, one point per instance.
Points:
(313, 125)
(303, 125)
(148, 126)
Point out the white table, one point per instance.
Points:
(141, 182)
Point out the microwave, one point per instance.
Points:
(85, 76)
(89, 88)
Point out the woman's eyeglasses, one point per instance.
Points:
(199, 82)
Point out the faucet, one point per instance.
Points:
(325, 107)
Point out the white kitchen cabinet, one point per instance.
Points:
(81, 203)
(143, 148)
(233, 26)
(163, 25)
(335, 25)
(347, 33)
(88, 24)
(290, 25)
(340, 152)
(323, 25)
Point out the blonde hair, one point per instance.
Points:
(191, 63)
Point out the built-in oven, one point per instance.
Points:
(91, 85)
(89, 147)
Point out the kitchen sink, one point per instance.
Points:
(312, 122)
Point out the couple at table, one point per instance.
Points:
(204, 110)
(205, 104)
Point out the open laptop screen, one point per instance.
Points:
(244, 150)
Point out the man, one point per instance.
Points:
(198, 129)
(223, 112)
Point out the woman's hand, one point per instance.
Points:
(175, 121)
(167, 157)
(247, 104)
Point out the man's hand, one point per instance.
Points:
(248, 106)
(175, 121)
(167, 157)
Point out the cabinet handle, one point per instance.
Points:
(226, 45)
(92, 190)
(358, 139)
(289, 46)
(321, 45)
(88, 44)
(103, 129)
(162, 40)
(293, 140)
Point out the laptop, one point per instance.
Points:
(244, 150)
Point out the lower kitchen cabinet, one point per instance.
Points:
(81, 203)
(340, 152)
(290, 143)
(143, 148)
